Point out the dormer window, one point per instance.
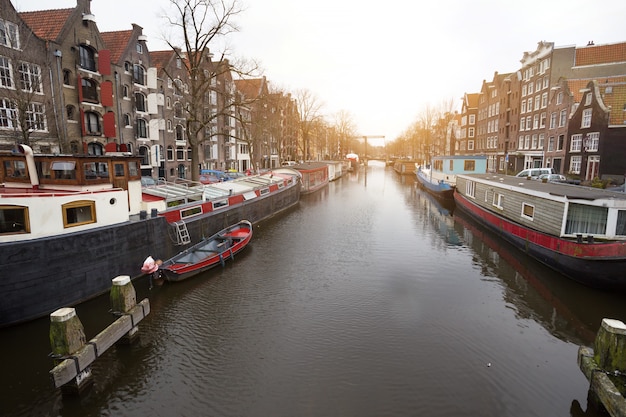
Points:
(9, 35)
(139, 48)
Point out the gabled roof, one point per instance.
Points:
(116, 42)
(250, 88)
(47, 24)
(470, 100)
(160, 59)
(600, 54)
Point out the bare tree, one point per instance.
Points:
(309, 108)
(203, 24)
(346, 130)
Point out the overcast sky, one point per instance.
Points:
(384, 61)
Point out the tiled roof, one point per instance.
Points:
(250, 88)
(46, 24)
(160, 59)
(600, 54)
(575, 86)
(116, 42)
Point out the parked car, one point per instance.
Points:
(534, 173)
(552, 177)
(210, 176)
(148, 182)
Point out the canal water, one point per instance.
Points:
(367, 299)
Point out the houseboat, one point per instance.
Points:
(352, 160)
(439, 177)
(314, 176)
(69, 224)
(404, 167)
(335, 170)
(578, 231)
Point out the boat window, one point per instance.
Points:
(281, 185)
(220, 204)
(14, 219)
(470, 189)
(264, 191)
(438, 165)
(583, 219)
(451, 165)
(620, 229)
(470, 165)
(133, 170)
(528, 211)
(15, 169)
(78, 213)
(64, 170)
(95, 170)
(190, 212)
(498, 199)
(118, 169)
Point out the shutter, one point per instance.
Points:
(104, 62)
(109, 124)
(106, 93)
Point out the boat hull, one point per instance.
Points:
(440, 189)
(597, 265)
(40, 276)
(209, 253)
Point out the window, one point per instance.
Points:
(523, 91)
(15, 219)
(87, 58)
(127, 120)
(139, 75)
(470, 145)
(140, 102)
(553, 117)
(178, 110)
(189, 154)
(522, 124)
(586, 119)
(498, 199)
(559, 98)
(574, 165)
(576, 143)
(125, 91)
(536, 121)
(6, 73)
(9, 35)
(528, 211)
(470, 132)
(70, 112)
(469, 165)
(142, 131)
(30, 77)
(470, 189)
(92, 123)
(139, 48)
(544, 100)
(180, 153)
(592, 141)
(523, 106)
(588, 97)
(551, 144)
(530, 88)
(90, 90)
(95, 170)
(537, 102)
(78, 213)
(542, 120)
(530, 104)
(620, 228)
(472, 119)
(36, 117)
(8, 113)
(170, 153)
(562, 118)
(542, 139)
(180, 133)
(583, 219)
(67, 77)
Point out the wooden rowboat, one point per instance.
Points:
(208, 253)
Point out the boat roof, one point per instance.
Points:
(569, 191)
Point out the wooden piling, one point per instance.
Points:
(607, 362)
(73, 356)
(123, 299)
(67, 336)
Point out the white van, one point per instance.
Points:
(534, 173)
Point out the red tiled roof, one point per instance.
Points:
(116, 42)
(600, 54)
(46, 24)
(160, 59)
(250, 88)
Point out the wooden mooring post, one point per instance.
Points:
(605, 366)
(73, 355)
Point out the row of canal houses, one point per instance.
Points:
(66, 87)
(565, 108)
